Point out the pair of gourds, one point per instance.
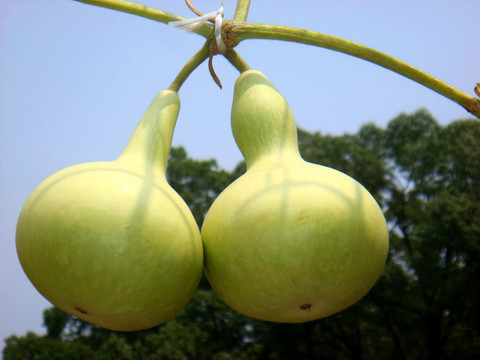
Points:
(288, 241)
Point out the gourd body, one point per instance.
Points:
(288, 241)
(111, 242)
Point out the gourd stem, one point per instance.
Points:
(241, 11)
(206, 30)
(237, 32)
(236, 60)
(191, 65)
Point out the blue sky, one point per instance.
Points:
(75, 79)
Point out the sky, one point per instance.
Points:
(75, 80)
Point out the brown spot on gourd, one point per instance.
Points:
(306, 306)
(80, 310)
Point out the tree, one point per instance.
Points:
(433, 203)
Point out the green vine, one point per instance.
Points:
(236, 60)
(239, 30)
(241, 11)
(191, 65)
(206, 30)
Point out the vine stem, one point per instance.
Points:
(206, 30)
(241, 11)
(191, 65)
(235, 59)
(236, 32)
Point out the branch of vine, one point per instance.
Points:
(233, 32)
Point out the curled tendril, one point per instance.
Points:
(191, 7)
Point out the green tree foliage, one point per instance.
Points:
(197, 182)
(426, 305)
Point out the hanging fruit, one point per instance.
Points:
(288, 241)
(111, 242)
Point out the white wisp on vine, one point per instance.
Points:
(191, 25)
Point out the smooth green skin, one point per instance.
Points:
(111, 242)
(288, 241)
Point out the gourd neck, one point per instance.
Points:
(149, 146)
(263, 124)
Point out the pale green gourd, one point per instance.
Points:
(111, 242)
(288, 241)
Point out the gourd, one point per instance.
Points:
(288, 241)
(111, 242)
